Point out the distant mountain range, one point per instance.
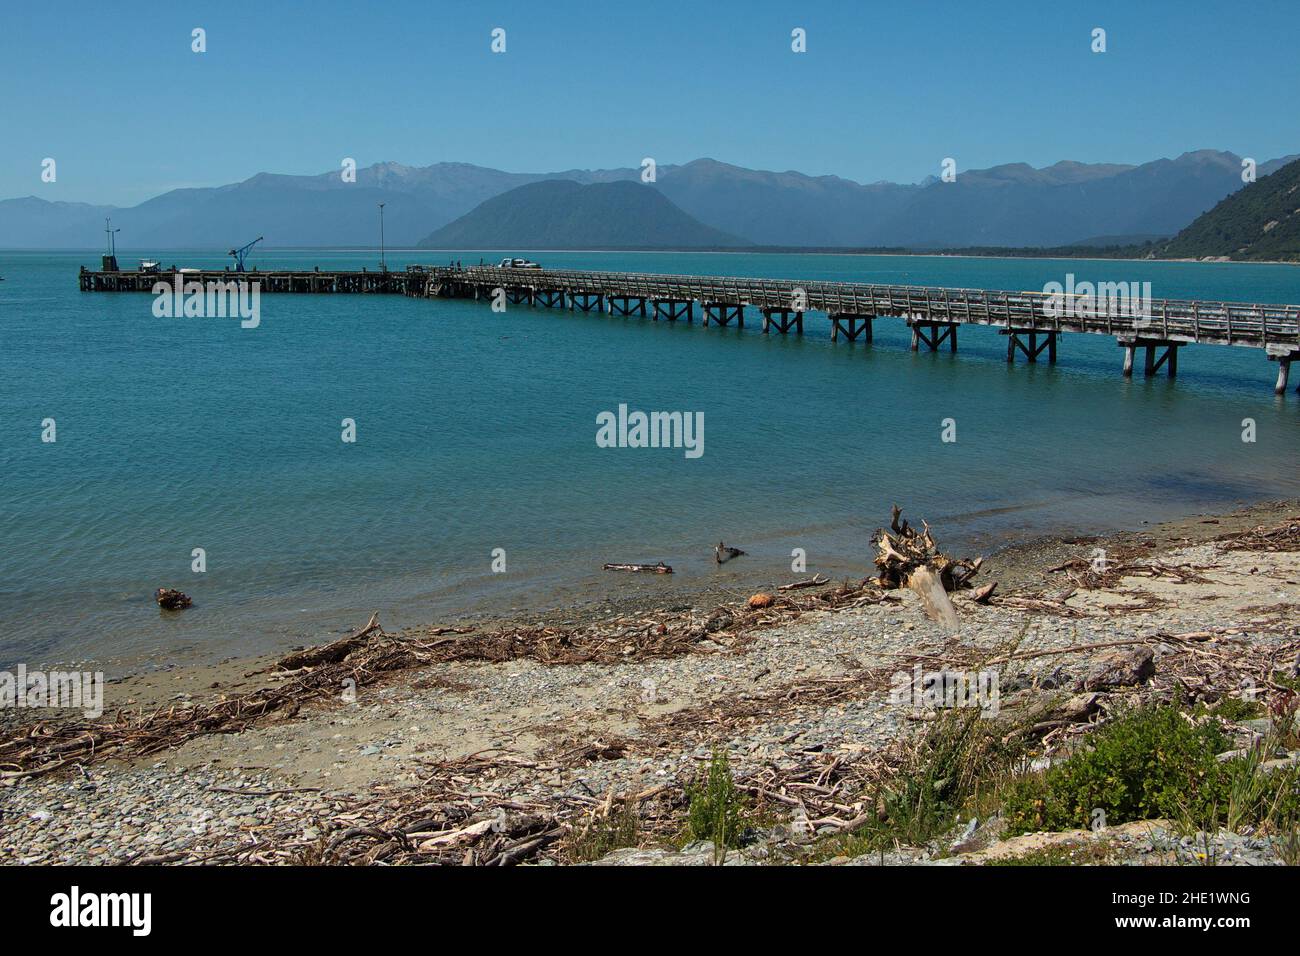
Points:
(562, 214)
(1010, 205)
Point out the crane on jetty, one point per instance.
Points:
(238, 254)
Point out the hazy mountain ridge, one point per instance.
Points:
(1063, 204)
(1008, 205)
(562, 214)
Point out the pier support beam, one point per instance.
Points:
(550, 298)
(674, 309)
(626, 305)
(721, 313)
(1129, 349)
(933, 333)
(1016, 340)
(1283, 355)
(852, 326)
(1168, 358)
(783, 320)
(586, 301)
(1160, 353)
(518, 295)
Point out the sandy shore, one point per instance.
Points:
(486, 741)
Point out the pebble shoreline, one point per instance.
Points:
(179, 807)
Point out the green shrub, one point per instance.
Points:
(715, 806)
(1149, 763)
(1234, 709)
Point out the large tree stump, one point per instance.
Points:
(910, 558)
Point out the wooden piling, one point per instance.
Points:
(1016, 342)
(933, 334)
(851, 326)
(722, 313)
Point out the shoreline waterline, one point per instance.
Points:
(1016, 563)
(477, 432)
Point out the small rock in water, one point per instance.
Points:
(169, 599)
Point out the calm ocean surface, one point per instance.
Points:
(476, 431)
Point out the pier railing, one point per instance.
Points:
(1031, 321)
(1106, 312)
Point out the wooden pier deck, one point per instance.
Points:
(308, 281)
(1032, 321)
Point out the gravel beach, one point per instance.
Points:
(522, 737)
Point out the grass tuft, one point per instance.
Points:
(716, 807)
(605, 833)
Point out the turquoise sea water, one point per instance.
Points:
(476, 431)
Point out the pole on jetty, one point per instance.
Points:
(383, 266)
(110, 260)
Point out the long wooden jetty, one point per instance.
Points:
(1032, 321)
(302, 281)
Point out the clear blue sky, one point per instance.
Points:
(886, 90)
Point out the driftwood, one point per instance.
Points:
(1125, 563)
(1285, 537)
(659, 568)
(169, 599)
(816, 581)
(722, 554)
(329, 653)
(497, 809)
(45, 746)
(938, 607)
(49, 745)
(910, 558)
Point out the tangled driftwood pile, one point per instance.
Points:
(1109, 571)
(496, 809)
(907, 551)
(1285, 537)
(910, 558)
(460, 813)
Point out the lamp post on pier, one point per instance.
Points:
(110, 260)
